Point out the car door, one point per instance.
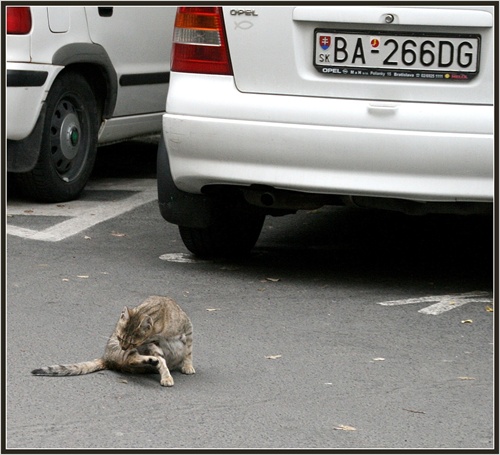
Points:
(137, 40)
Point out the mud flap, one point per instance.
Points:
(176, 206)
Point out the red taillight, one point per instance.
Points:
(199, 43)
(18, 20)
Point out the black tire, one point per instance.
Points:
(69, 142)
(233, 235)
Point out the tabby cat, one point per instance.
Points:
(157, 335)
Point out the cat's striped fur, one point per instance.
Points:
(157, 336)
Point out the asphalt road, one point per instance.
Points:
(292, 347)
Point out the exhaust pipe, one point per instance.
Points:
(267, 199)
(285, 200)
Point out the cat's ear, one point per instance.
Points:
(125, 314)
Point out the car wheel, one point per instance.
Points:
(232, 235)
(69, 142)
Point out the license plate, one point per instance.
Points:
(408, 56)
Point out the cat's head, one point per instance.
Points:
(133, 329)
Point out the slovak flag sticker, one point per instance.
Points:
(325, 42)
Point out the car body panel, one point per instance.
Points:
(20, 122)
(148, 54)
(132, 54)
(283, 38)
(44, 42)
(136, 125)
(279, 123)
(18, 48)
(414, 151)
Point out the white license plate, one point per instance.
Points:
(410, 56)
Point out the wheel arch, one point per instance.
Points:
(92, 62)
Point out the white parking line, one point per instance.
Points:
(444, 302)
(83, 213)
(182, 257)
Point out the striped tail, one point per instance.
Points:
(71, 370)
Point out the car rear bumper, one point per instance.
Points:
(27, 88)
(415, 151)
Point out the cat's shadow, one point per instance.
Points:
(149, 380)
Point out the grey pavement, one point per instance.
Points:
(292, 346)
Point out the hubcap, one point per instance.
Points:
(67, 141)
(74, 136)
(70, 136)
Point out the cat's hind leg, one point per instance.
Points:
(165, 376)
(187, 361)
(154, 357)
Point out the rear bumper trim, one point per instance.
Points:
(20, 78)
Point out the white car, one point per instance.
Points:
(273, 109)
(78, 77)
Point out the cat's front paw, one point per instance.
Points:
(188, 369)
(167, 382)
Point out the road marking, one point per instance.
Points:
(444, 302)
(83, 213)
(181, 257)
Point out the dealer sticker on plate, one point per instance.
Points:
(408, 56)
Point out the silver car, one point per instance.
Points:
(79, 77)
(273, 109)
